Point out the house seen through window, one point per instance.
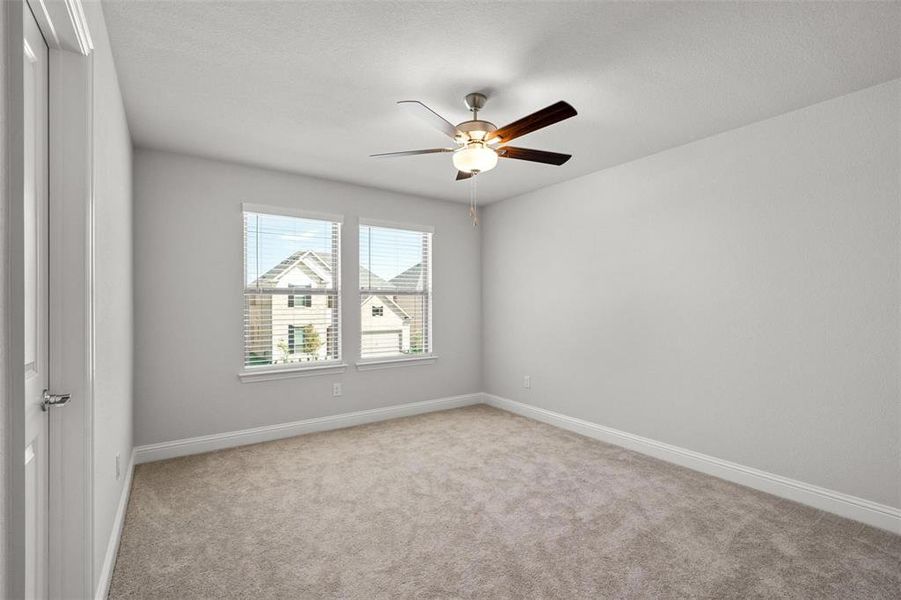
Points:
(291, 289)
(395, 292)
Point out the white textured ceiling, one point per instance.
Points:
(311, 87)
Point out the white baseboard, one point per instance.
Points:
(231, 439)
(112, 547)
(845, 505)
(851, 507)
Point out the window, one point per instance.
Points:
(291, 337)
(395, 291)
(281, 254)
(295, 301)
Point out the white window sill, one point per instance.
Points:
(387, 363)
(289, 371)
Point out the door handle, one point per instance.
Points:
(52, 400)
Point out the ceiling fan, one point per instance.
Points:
(480, 143)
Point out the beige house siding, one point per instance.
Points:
(271, 317)
(384, 335)
(258, 312)
(318, 314)
(417, 308)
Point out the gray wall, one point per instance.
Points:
(188, 300)
(4, 399)
(113, 289)
(737, 296)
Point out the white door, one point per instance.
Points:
(36, 292)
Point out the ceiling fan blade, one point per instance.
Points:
(462, 175)
(428, 115)
(541, 156)
(412, 152)
(544, 117)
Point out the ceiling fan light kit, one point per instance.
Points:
(475, 157)
(478, 141)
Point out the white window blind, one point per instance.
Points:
(291, 290)
(395, 292)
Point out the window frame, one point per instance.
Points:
(248, 374)
(400, 360)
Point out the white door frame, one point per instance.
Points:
(65, 29)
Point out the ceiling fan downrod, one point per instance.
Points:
(475, 102)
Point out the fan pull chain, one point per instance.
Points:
(473, 210)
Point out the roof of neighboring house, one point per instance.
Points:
(411, 279)
(371, 279)
(271, 277)
(315, 261)
(320, 263)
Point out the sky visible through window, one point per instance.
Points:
(389, 252)
(273, 238)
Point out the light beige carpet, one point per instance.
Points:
(477, 503)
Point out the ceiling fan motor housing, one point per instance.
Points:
(475, 130)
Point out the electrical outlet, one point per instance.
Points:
(118, 467)
(527, 382)
(336, 389)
